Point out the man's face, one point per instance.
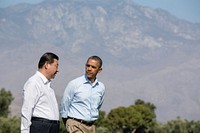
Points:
(52, 69)
(92, 68)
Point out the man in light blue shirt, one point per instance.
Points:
(83, 98)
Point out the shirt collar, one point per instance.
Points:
(44, 79)
(86, 80)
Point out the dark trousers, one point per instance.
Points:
(40, 125)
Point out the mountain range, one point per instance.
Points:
(147, 53)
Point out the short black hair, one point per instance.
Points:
(47, 57)
(97, 58)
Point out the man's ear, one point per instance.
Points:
(46, 65)
(100, 69)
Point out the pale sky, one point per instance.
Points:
(6, 3)
(184, 9)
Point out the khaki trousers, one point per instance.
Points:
(74, 126)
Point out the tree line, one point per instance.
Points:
(137, 118)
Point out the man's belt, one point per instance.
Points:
(44, 120)
(89, 123)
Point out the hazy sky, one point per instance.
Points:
(184, 9)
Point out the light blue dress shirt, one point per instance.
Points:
(82, 100)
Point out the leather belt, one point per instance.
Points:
(89, 123)
(44, 120)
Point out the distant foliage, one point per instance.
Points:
(141, 118)
(135, 118)
(9, 125)
(178, 126)
(5, 100)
